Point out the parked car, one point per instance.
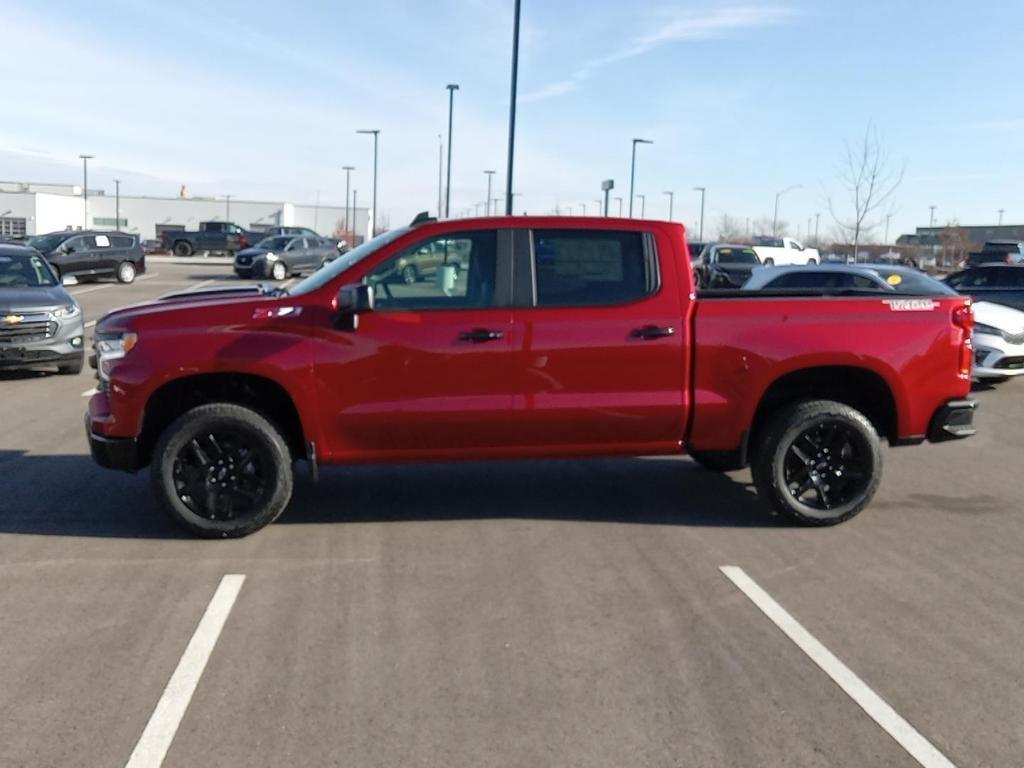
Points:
(212, 236)
(997, 252)
(784, 250)
(998, 283)
(279, 256)
(725, 265)
(423, 263)
(339, 245)
(889, 278)
(87, 255)
(559, 339)
(998, 341)
(41, 324)
(152, 246)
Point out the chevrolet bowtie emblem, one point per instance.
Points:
(13, 319)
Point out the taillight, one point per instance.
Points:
(242, 242)
(963, 317)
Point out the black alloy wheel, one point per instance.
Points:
(223, 474)
(827, 466)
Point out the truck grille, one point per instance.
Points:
(26, 330)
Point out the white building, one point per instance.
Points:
(28, 208)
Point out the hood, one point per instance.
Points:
(178, 302)
(998, 316)
(736, 273)
(34, 298)
(253, 252)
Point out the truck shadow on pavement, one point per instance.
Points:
(70, 496)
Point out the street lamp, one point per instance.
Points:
(490, 177)
(643, 206)
(227, 214)
(355, 212)
(775, 219)
(1001, 212)
(512, 108)
(671, 202)
(375, 132)
(117, 204)
(452, 88)
(607, 186)
(584, 205)
(348, 178)
(817, 221)
(598, 207)
(85, 189)
(702, 190)
(619, 201)
(632, 172)
(440, 176)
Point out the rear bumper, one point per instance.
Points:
(953, 421)
(112, 452)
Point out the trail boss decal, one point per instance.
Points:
(911, 305)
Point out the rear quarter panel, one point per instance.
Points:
(743, 345)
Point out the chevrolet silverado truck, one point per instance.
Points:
(557, 337)
(212, 236)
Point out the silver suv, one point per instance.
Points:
(41, 324)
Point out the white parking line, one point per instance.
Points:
(203, 284)
(163, 723)
(899, 729)
(148, 276)
(94, 288)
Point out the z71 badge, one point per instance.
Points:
(911, 305)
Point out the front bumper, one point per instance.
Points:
(953, 421)
(66, 346)
(112, 452)
(995, 358)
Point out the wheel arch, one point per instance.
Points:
(260, 393)
(860, 388)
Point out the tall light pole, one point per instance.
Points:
(817, 221)
(671, 203)
(355, 212)
(888, 218)
(632, 172)
(643, 206)
(703, 191)
(373, 211)
(598, 207)
(348, 178)
(775, 219)
(85, 189)
(584, 208)
(452, 88)
(117, 205)
(490, 177)
(619, 201)
(227, 215)
(440, 176)
(931, 216)
(607, 186)
(512, 108)
(1001, 212)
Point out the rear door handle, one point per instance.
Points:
(479, 335)
(653, 332)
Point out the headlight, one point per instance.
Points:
(990, 330)
(109, 349)
(69, 311)
(270, 256)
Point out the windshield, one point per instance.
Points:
(26, 270)
(736, 256)
(913, 283)
(47, 243)
(341, 264)
(275, 243)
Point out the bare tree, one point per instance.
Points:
(955, 245)
(869, 180)
(730, 230)
(764, 227)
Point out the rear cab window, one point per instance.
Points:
(575, 268)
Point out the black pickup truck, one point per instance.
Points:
(213, 236)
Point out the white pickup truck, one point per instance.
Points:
(784, 251)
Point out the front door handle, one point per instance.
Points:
(479, 335)
(653, 332)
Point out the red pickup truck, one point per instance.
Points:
(536, 337)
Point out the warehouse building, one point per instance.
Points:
(28, 209)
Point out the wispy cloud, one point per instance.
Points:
(680, 27)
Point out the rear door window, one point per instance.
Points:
(588, 268)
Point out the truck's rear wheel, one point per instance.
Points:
(818, 462)
(126, 272)
(183, 249)
(769, 262)
(222, 471)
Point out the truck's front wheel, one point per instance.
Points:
(222, 471)
(818, 462)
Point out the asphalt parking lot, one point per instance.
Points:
(562, 613)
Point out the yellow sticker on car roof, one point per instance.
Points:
(894, 279)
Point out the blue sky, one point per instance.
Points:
(261, 99)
